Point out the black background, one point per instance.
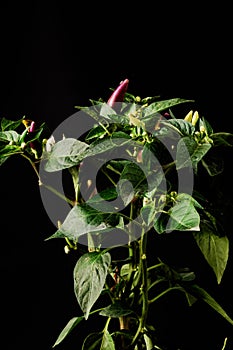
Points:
(58, 55)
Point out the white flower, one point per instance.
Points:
(50, 143)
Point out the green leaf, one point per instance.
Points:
(135, 176)
(7, 124)
(107, 341)
(2, 160)
(92, 341)
(128, 107)
(81, 220)
(100, 200)
(9, 136)
(189, 153)
(118, 139)
(163, 105)
(214, 248)
(7, 151)
(148, 213)
(222, 139)
(99, 341)
(117, 309)
(68, 328)
(65, 154)
(181, 217)
(106, 111)
(112, 117)
(125, 190)
(89, 278)
(200, 293)
(117, 166)
(185, 196)
(160, 222)
(96, 132)
(213, 165)
(181, 126)
(204, 123)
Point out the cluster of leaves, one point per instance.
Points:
(148, 151)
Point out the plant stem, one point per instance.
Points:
(163, 293)
(156, 282)
(155, 266)
(53, 190)
(224, 344)
(50, 188)
(143, 288)
(33, 166)
(109, 177)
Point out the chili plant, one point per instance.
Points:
(133, 173)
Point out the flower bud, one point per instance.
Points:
(202, 128)
(188, 117)
(67, 249)
(23, 145)
(195, 118)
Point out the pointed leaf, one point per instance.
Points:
(213, 165)
(92, 341)
(160, 222)
(107, 341)
(222, 139)
(7, 151)
(7, 124)
(200, 293)
(103, 201)
(9, 136)
(148, 213)
(125, 190)
(81, 220)
(65, 154)
(135, 180)
(118, 139)
(117, 309)
(185, 196)
(106, 110)
(160, 106)
(214, 248)
(181, 126)
(189, 153)
(68, 328)
(96, 132)
(89, 278)
(183, 217)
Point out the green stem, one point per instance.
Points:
(75, 175)
(95, 311)
(113, 169)
(33, 166)
(156, 282)
(155, 266)
(163, 293)
(132, 256)
(144, 287)
(109, 178)
(50, 188)
(107, 324)
(224, 344)
(60, 195)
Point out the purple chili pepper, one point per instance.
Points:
(119, 93)
(31, 129)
